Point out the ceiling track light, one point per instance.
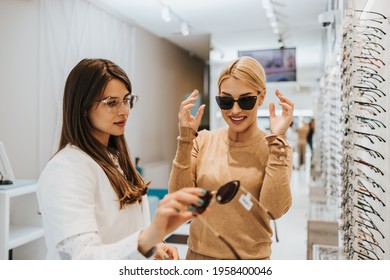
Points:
(271, 14)
(184, 29)
(266, 4)
(166, 14)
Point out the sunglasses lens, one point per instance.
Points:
(206, 198)
(247, 103)
(227, 192)
(225, 103)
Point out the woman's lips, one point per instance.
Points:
(237, 120)
(121, 123)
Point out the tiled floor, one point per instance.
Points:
(292, 227)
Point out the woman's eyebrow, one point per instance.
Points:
(112, 96)
(242, 94)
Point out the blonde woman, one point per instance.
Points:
(241, 151)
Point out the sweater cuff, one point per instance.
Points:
(277, 140)
(280, 150)
(187, 133)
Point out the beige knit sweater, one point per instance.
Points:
(262, 164)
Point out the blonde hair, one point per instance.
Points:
(245, 69)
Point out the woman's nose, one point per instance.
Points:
(124, 108)
(236, 108)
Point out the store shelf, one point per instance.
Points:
(20, 222)
(19, 235)
(19, 187)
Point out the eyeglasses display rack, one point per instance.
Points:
(353, 134)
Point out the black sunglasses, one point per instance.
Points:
(224, 195)
(245, 103)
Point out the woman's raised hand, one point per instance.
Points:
(185, 117)
(280, 124)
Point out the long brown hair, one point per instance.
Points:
(84, 85)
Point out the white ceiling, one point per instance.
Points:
(227, 26)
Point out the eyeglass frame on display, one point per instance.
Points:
(350, 237)
(370, 89)
(350, 220)
(360, 205)
(364, 134)
(349, 145)
(363, 191)
(364, 176)
(370, 104)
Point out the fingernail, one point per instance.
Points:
(165, 257)
(200, 201)
(202, 191)
(191, 208)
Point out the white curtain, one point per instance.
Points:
(70, 31)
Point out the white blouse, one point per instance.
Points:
(89, 246)
(80, 211)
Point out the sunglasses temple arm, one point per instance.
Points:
(276, 230)
(255, 201)
(270, 215)
(218, 235)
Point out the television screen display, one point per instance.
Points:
(279, 64)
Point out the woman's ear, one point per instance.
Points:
(261, 98)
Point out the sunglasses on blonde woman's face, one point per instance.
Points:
(224, 195)
(245, 103)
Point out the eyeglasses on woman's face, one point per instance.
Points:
(245, 103)
(113, 104)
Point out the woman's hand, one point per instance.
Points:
(185, 117)
(166, 252)
(280, 124)
(172, 211)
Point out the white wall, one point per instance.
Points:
(162, 74)
(19, 33)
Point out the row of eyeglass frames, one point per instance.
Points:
(353, 135)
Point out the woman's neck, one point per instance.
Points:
(242, 136)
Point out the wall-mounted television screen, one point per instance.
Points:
(279, 64)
